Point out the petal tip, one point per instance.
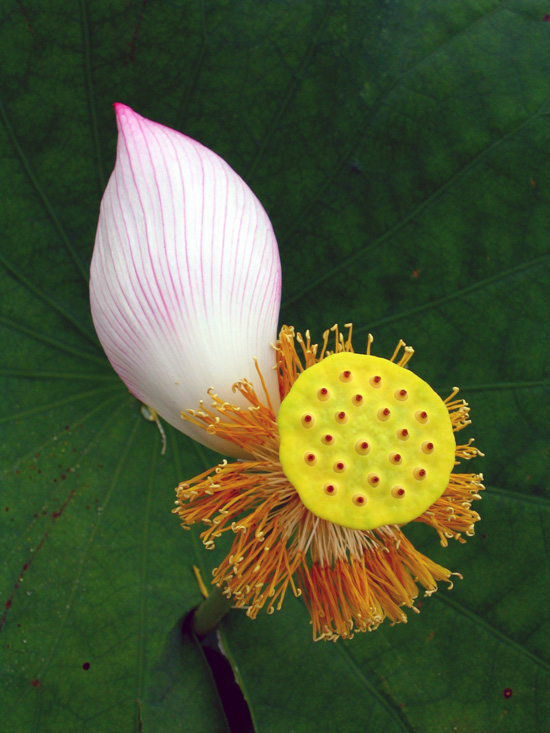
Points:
(123, 113)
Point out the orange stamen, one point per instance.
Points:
(351, 580)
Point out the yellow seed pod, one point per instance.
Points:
(391, 448)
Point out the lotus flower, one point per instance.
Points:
(340, 449)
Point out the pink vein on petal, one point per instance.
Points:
(135, 252)
(150, 249)
(166, 269)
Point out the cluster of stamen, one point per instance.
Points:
(357, 453)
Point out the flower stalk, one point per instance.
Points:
(210, 612)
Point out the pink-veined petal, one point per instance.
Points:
(185, 279)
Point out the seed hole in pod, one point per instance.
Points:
(421, 416)
(419, 473)
(339, 467)
(308, 421)
(327, 439)
(401, 394)
(346, 376)
(323, 394)
(341, 417)
(376, 382)
(362, 447)
(373, 479)
(384, 413)
(395, 458)
(398, 492)
(403, 434)
(329, 489)
(427, 446)
(357, 400)
(359, 500)
(310, 459)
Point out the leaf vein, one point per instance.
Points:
(41, 193)
(288, 95)
(35, 290)
(396, 228)
(37, 336)
(480, 284)
(499, 635)
(85, 24)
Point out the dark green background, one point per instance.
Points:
(402, 151)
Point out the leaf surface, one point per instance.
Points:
(401, 150)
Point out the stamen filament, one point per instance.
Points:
(351, 579)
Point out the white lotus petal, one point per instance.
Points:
(185, 276)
